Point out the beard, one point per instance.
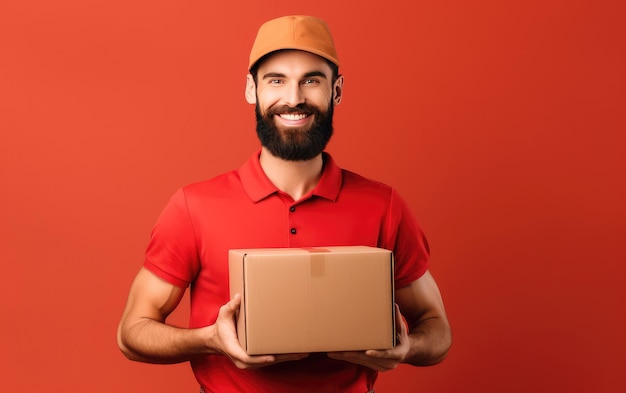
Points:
(295, 143)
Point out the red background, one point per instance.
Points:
(502, 122)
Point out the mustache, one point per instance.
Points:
(300, 108)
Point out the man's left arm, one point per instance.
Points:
(427, 339)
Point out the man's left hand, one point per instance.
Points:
(380, 360)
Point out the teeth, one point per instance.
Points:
(292, 116)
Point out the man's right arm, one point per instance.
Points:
(144, 336)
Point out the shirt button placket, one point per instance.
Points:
(292, 230)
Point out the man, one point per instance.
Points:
(290, 194)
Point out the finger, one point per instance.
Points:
(258, 360)
(251, 365)
(228, 310)
(243, 360)
(390, 354)
(252, 362)
(287, 357)
(234, 303)
(400, 322)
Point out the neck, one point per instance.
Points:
(295, 178)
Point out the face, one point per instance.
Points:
(294, 96)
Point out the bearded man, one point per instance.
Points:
(290, 193)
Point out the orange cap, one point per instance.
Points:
(300, 32)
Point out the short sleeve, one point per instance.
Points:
(172, 252)
(408, 242)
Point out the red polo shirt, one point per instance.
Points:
(243, 209)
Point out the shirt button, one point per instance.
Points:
(293, 231)
(292, 209)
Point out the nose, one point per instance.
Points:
(293, 95)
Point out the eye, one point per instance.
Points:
(275, 81)
(310, 81)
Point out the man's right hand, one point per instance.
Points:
(144, 336)
(224, 339)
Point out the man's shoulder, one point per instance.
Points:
(357, 187)
(222, 183)
(351, 178)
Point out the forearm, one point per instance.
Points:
(151, 341)
(429, 341)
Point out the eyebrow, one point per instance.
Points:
(307, 75)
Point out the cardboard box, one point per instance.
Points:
(300, 300)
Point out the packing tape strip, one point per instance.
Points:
(317, 260)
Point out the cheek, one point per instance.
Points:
(322, 102)
(323, 98)
(266, 100)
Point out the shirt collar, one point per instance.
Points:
(258, 186)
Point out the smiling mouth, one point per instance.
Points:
(293, 116)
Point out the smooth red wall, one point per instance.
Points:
(502, 123)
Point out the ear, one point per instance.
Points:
(338, 90)
(250, 90)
